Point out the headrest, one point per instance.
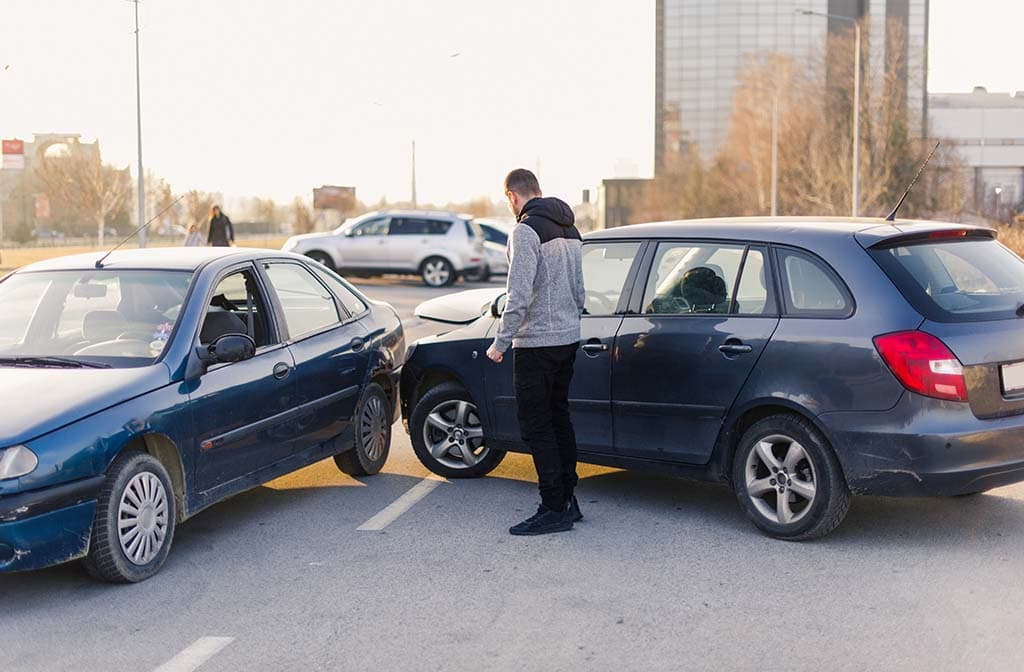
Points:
(103, 325)
(703, 287)
(218, 323)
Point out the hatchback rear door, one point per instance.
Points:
(697, 328)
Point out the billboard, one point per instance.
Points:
(14, 155)
(342, 199)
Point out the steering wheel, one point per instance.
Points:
(135, 335)
(603, 304)
(118, 348)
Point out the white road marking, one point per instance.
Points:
(196, 654)
(396, 508)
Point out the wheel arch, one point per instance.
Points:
(162, 448)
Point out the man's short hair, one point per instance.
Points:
(523, 182)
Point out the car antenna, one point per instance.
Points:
(99, 262)
(892, 215)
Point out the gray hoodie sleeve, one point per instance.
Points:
(524, 251)
(581, 294)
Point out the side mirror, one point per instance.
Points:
(347, 233)
(226, 349)
(498, 305)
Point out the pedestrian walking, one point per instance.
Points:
(194, 238)
(541, 323)
(221, 234)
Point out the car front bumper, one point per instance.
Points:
(926, 447)
(46, 527)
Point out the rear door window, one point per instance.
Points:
(689, 278)
(956, 280)
(412, 226)
(810, 288)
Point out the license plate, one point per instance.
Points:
(1013, 378)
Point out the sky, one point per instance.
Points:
(271, 98)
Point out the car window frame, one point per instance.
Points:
(629, 283)
(783, 286)
(273, 317)
(352, 317)
(287, 336)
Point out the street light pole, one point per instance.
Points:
(775, 154)
(138, 120)
(855, 178)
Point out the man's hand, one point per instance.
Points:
(494, 355)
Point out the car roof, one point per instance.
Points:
(446, 214)
(155, 258)
(780, 229)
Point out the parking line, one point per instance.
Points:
(396, 508)
(196, 654)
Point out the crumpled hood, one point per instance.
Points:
(553, 209)
(40, 400)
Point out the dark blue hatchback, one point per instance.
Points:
(142, 389)
(799, 360)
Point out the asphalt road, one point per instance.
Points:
(663, 574)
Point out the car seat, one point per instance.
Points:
(220, 323)
(103, 325)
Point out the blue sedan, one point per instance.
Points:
(145, 387)
(798, 360)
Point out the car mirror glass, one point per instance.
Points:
(232, 348)
(498, 305)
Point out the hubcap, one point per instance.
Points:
(780, 479)
(453, 434)
(373, 428)
(142, 518)
(436, 273)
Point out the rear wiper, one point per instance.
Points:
(64, 362)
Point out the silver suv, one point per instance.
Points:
(437, 246)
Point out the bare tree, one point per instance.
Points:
(197, 208)
(85, 186)
(304, 218)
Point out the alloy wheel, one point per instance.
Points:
(373, 428)
(780, 479)
(142, 518)
(453, 434)
(437, 272)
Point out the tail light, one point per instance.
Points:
(923, 364)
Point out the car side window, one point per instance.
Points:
(228, 312)
(351, 302)
(494, 236)
(689, 278)
(605, 269)
(411, 226)
(374, 227)
(307, 305)
(811, 288)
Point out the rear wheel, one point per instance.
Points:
(372, 426)
(134, 523)
(788, 480)
(437, 272)
(448, 437)
(322, 258)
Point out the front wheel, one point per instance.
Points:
(437, 272)
(788, 480)
(372, 435)
(134, 523)
(448, 437)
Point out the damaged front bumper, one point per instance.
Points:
(46, 527)
(926, 447)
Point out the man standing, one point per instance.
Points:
(542, 324)
(222, 233)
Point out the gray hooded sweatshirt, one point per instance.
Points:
(545, 278)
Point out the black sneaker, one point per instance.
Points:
(545, 521)
(574, 510)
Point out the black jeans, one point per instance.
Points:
(542, 377)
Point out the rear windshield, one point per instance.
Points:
(957, 281)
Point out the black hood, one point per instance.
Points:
(553, 209)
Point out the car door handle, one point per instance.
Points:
(733, 347)
(281, 370)
(357, 344)
(594, 347)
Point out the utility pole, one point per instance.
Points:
(414, 173)
(775, 154)
(138, 119)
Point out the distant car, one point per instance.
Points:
(799, 360)
(437, 246)
(496, 233)
(143, 390)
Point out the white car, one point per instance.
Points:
(437, 246)
(496, 232)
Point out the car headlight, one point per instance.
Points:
(16, 461)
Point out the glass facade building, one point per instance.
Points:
(703, 45)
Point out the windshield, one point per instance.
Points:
(957, 281)
(118, 318)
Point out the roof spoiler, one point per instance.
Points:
(918, 237)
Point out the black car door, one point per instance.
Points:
(329, 346)
(699, 325)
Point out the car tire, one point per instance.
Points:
(136, 482)
(372, 428)
(437, 272)
(322, 258)
(450, 405)
(815, 491)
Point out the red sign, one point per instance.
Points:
(14, 146)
